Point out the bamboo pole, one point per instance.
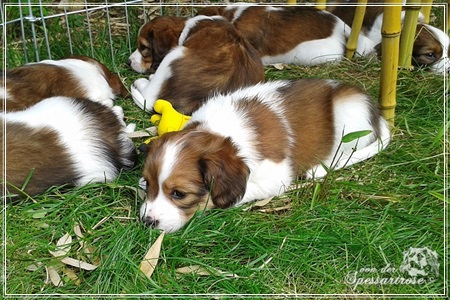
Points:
(408, 34)
(447, 26)
(356, 28)
(426, 9)
(291, 2)
(321, 4)
(390, 32)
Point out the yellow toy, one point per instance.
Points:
(166, 118)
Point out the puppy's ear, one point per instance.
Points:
(162, 43)
(225, 174)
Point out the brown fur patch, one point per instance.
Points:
(36, 151)
(309, 110)
(271, 138)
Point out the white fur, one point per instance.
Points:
(91, 78)
(268, 179)
(352, 115)
(168, 215)
(136, 62)
(64, 116)
(191, 23)
(145, 92)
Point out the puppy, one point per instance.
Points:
(63, 141)
(211, 57)
(300, 35)
(75, 77)
(252, 143)
(155, 39)
(431, 46)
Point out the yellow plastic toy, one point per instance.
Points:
(166, 118)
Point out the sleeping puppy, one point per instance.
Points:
(431, 46)
(252, 143)
(76, 77)
(300, 35)
(63, 141)
(155, 39)
(210, 57)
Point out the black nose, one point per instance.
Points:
(149, 221)
(129, 62)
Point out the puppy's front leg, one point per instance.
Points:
(141, 93)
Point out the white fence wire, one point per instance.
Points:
(37, 30)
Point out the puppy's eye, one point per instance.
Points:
(431, 55)
(178, 195)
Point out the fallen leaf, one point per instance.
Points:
(77, 231)
(78, 264)
(33, 267)
(151, 131)
(259, 203)
(150, 260)
(54, 276)
(199, 270)
(62, 246)
(71, 275)
(278, 66)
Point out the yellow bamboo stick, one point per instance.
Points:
(356, 28)
(447, 26)
(390, 32)
(408, 34)
(291, 2)
(321, 4)
(426, 9)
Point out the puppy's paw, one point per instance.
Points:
(137, 93)
(130, 128)
(118, 111)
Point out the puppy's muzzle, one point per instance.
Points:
(150, 222)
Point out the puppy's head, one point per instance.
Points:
(155, 39)
(431, 48)
(187, 171)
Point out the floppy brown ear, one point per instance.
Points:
(162, 43)
(225, 175)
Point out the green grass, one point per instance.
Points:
(362, 217)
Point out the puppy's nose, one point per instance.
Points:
(149, 221)
(129, 62)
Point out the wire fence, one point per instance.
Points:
(37, 30)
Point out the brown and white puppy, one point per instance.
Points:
(76, 77)
(300, 35)
(252, 143)
(211, 57)
(155, 39)
(431, 45)
(62, 141)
